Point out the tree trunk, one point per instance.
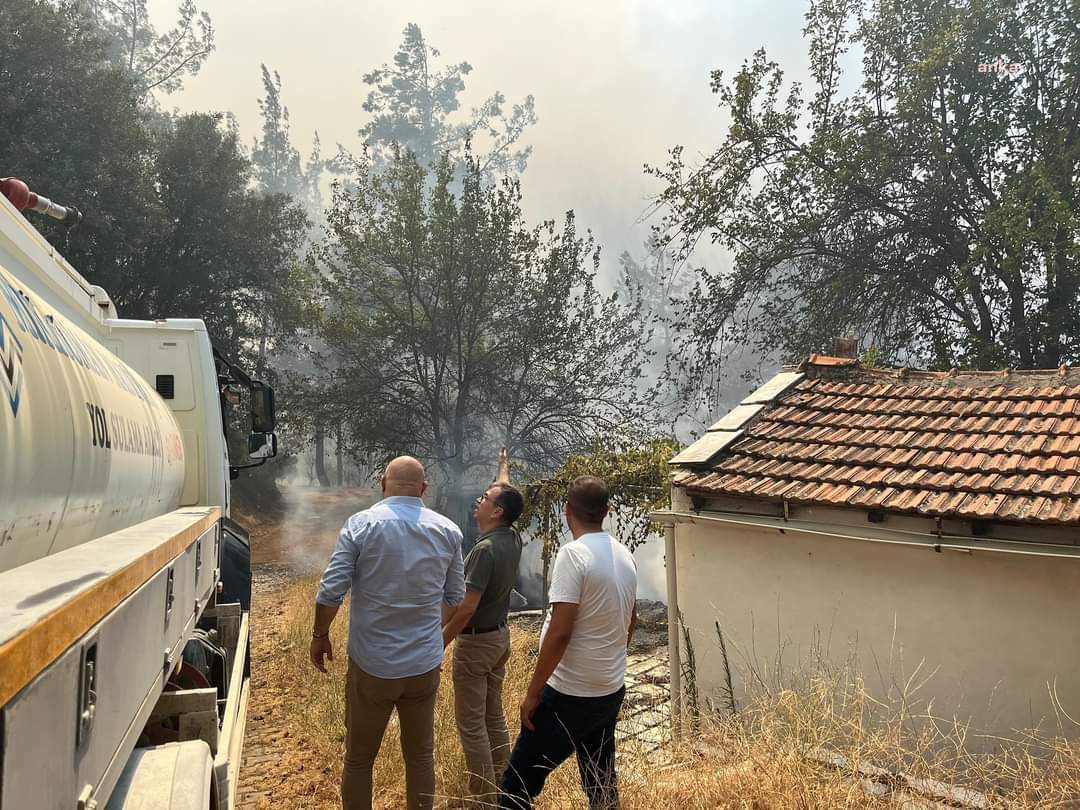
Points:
(547, 523)
(1061, 292)
(340, 459)
(1018, 320)
(260, 364)
(320, 457)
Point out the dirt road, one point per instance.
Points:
(305, 536)
(271, 771)
(275, 773)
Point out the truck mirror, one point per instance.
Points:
(262, 408)
(262, 445)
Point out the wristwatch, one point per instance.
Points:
(320, 635)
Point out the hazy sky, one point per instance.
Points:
(617, 82)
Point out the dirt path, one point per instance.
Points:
(306, 534)
(272, 773)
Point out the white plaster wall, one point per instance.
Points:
(986, 635)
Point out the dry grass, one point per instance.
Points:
(757, 760)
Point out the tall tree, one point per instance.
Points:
(157, 62)
(279, 170)
(460, 328)
(277, 165)
(932, 210)
(275, 160)
(412, 104)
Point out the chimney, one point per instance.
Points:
(846, 347)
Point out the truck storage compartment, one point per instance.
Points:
(89, 638)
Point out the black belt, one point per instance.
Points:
(476, 631)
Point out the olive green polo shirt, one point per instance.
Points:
(491, 568)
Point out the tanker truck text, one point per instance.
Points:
(47, 331)
(109, 431)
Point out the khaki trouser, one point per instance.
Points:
(479, 670)
(368, 703)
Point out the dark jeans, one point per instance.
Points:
(565, 725)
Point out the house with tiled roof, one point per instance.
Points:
(920, 527)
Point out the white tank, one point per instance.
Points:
(86, 446)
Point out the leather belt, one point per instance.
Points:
(476, 631)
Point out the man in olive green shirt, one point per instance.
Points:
(483, 638)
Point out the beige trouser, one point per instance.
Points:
(479, 670)
(368, 703)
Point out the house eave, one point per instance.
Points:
(937, 542)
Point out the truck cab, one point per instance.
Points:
(175, 357)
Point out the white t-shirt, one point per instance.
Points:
(597, 573)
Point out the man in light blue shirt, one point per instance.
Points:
(403, 563)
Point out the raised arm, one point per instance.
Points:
(503, 475)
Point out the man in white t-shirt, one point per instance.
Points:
(577, 688)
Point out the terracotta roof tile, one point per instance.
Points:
(968, 444)
(1057, 510)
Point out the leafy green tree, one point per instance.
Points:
(459, 328)
(932, 210)
(171, 224)
(415, 105)
(227, 254)
(156, 61)
(77, 134)
(638, 479)
(412, 104)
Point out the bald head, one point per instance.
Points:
(404, 476)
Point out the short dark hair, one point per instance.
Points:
(510, 500)
(588, 499)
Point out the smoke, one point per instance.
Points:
(649, 557)
(305, 537)
(314, 516)
(530, 583)
(652, 574)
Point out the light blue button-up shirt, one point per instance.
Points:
(402, 561)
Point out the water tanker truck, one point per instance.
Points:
(124, 585)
